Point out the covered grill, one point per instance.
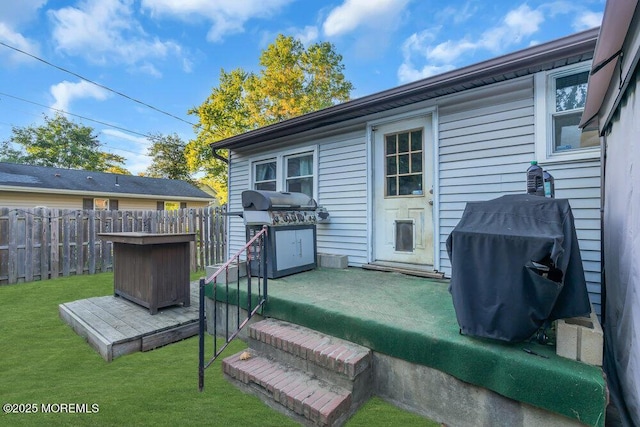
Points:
(516, 265)
(291, 218)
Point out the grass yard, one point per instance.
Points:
(45, 365)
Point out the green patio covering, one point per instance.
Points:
(413, 319)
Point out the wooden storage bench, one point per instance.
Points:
(151, 269)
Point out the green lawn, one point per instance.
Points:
(45, 365)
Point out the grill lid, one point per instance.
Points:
(262, 200)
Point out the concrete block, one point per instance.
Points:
(233, 272)
(332, 261)
(580, 338)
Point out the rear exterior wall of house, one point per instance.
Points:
(485, 140)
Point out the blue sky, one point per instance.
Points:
(169, 53)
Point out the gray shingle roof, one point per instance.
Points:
(89, 182)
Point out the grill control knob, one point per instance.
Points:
(300, 217)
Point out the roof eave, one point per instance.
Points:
(574, 45)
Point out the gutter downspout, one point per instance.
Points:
(603, 279)
(227, 221)
(217, 156)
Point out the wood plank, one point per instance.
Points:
(54, 259)
(91, 247)
(45, 241)
(160, 339)
(13, 246)
(131, 313)
(66, 242)
(411, 272)
(113, 319)
(127, 347)
(28, 245)
(97, 325)
(84, 329)
(79, 264)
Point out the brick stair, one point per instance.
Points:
(316, 379)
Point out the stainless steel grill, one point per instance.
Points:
(291, 237)
(276, 208)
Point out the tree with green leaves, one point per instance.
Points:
(168, 159)
(293, 80)
(61, 143)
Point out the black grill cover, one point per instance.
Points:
(515, 265)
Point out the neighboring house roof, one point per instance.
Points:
(568, 50)
(606, 61)
(28, 178)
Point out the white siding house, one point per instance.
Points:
(410, 158)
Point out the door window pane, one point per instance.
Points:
(403, 163)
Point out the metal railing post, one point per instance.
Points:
(201, 338)
(260, 241)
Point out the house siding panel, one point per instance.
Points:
(342, 190)
(15, 199)
(486, 142)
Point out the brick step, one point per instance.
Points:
(307, 399)
(308, 349)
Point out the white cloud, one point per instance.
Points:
(106, 31)
(353, 14)
(12, 16)
(17, 40)
(17, 13)
(142, 141)
(516, 25)
(226, 16)
(133, 148)
(587, 20)
(66, 92)
(408, 73)
(306, 35)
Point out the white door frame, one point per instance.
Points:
(433, 111)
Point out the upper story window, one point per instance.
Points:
(294, 171)
(264, 175)
(560, 100)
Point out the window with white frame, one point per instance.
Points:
(264, 175)
(560, 97)
(289, 171)
(299, 173)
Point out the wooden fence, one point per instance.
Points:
(41, 244)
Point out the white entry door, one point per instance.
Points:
(403, 193)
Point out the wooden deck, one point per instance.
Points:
(115, 326)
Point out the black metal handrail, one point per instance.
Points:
(256, 250)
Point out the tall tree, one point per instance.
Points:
(62, 143)
(168, 157)
(293, 80)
